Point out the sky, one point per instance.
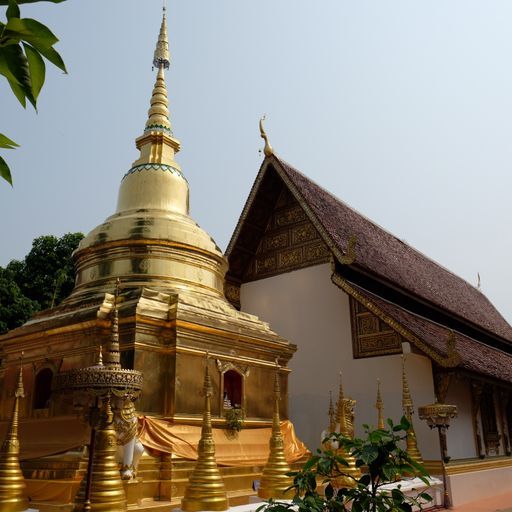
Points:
(401, 109)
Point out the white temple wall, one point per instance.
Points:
(307, 309)
(460, 437)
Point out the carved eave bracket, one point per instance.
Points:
(442, 381)
(452, 356)
(451, 360)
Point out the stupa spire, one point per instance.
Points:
(161, 56)
(379, 405)
(157, 145)
(112, 356)
(205, 489)
(13, 495)
(408, 408)
(275, 482)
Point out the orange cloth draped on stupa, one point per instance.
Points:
(249, 447)
(42, 437)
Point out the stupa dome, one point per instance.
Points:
(151, 240)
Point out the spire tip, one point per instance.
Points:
(161, 57)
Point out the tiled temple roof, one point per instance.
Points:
(386, 256)
(424, 297)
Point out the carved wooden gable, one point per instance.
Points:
(370, 335)
(290, 242)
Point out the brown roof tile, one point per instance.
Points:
(387, 257)
(475, 356)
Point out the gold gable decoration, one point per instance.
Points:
(290, 241)
(370, 335)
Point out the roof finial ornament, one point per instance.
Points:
(478, 280)
(267, 150)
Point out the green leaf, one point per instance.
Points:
(365, 480)
(369, 454)
(36, 67)
(425, 496)
(31, 31)
(405, 423)
(7, 143)
(52, 55)
(389, 471)
(311, 462)
(356, 507)
(5, 172)
(14, 66)
(397, 495)
(13, 11)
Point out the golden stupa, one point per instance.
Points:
(172, 310)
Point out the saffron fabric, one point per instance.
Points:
(249, 447)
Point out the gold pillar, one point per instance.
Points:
(13, 496)
(205, 489)
(107, 491)
(345, 421)
(274, 480)
(379, 405)
(408, 408)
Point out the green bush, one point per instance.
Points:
(383, 461)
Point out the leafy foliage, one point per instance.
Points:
(15, 308)
(42, 280)
(23, 44)
(385, 462)
(234, 419)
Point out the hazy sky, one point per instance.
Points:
(403, 109)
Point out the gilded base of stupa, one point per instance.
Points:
(52, 482)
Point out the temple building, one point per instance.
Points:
(354, 298)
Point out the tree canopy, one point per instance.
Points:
(23, 44)
(41, 280)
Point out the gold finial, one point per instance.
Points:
(274, 479)
(20, 391)
(332, 414)
(13, 496)
(339, 403)
(267, 150)
(161, 57)
(408, 408)
(112, 357)
(407, 404)
(99, 362)
(205, 489)
(379, 404)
